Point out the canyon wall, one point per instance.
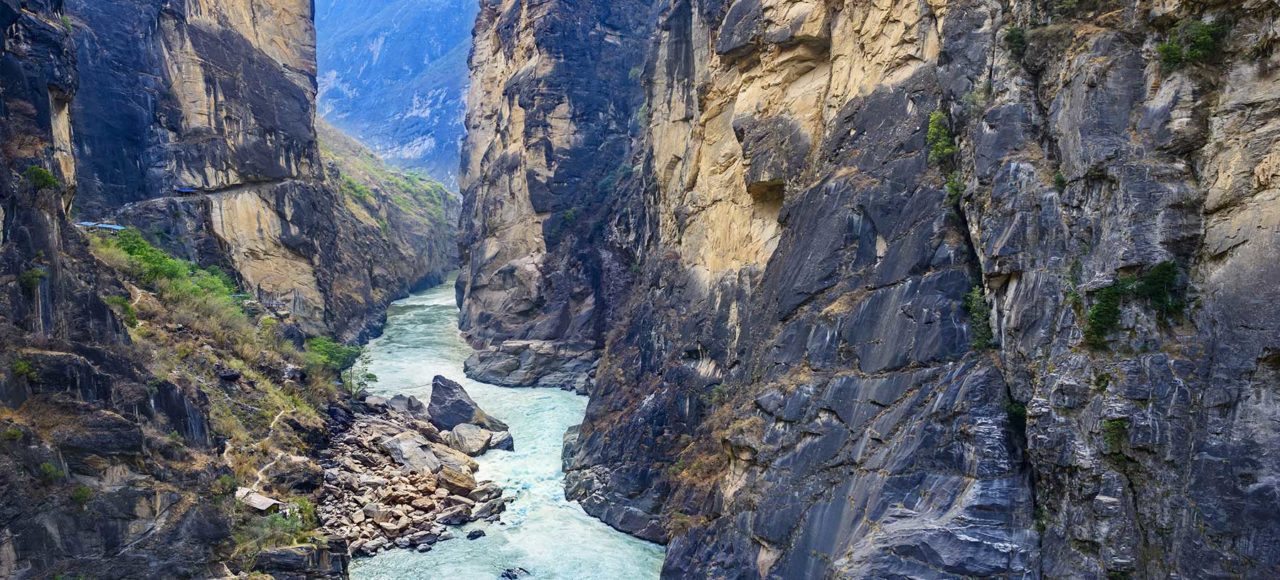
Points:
(76, 403)
(906, 288)
(554, 90)
(195, 123)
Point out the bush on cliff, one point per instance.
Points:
(1192, 41)
(942, 146)
(40, 178)
(202, 298)
(1158, 287)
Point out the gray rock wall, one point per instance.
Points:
(916, 296)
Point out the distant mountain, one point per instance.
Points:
(393, 73)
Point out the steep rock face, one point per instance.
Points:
(76, 407)
(553, 93)
(202, 94)
(196, 124)
(946, 288)
(394, 74)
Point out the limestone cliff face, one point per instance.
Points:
(195, 123)
(72, 400)
(553, 93)
(934, 288)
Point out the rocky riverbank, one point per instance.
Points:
(399, 474)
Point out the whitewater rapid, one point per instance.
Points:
(541, 531)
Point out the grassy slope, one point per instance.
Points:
(374, 190)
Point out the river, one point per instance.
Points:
(541, 531)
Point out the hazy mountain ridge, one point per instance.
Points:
(397, 80)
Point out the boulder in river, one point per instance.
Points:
(469, 439)
(452, 406)
(502, 440)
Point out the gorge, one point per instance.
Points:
(835, 288)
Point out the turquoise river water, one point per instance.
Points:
(541, 531)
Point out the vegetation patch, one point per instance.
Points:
(40, 178)
(11, 434)
(125, 310)
(942, 146)
(1115, 432)
(254, 533)
(81, 495)
(24, 369)
(1158, 288)
(1192, 42)
(31, 279)
(975, 304)
(1015, 39)
(955, 187)
(50, 473)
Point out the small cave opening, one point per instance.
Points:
(766, 199)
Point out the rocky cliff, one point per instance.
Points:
(906, 288)
(394, 74)
(79, 415)
(139, 390)
(195, 123)
(554, 90)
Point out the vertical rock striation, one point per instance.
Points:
(87, 484)
(940, 288)
(553, 94)
(195, 123)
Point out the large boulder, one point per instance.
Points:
(452, 406)
(469, 439)
(451, 457)
(409, 405)
(411, 450)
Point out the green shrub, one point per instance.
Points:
(304, 510)
(50, 473)
(979, 319)
(258, 533)
(152, 263)
(40, 178)
(81, 495)
(31, 279)
(330, 354)
(11, 434)
(122, 307)
(1115, 432)
(1158, 287)
(25, 369)
(352, 188)
(173, 277)
(1104, 315)
(942, 146)
(1192, 41)
(1060, 182)
(955, 187)
(225, 485)
(66, 23)
(1015, 38)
